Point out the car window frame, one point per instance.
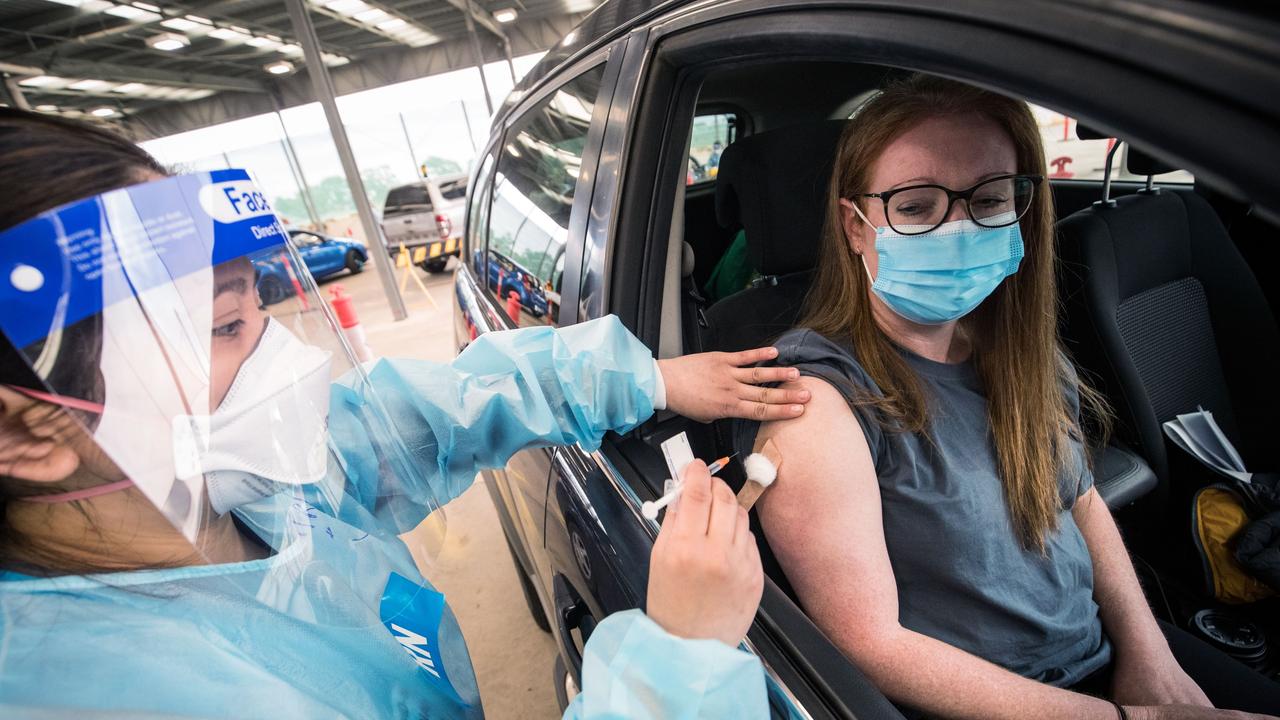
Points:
(611, 56)
(478, 207)
(632, 213)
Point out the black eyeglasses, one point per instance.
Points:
(998, 202)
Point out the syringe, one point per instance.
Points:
(650, 508)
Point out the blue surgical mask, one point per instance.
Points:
(942, 275)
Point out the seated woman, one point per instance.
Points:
(935, 511)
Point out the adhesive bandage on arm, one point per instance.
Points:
(762, 470)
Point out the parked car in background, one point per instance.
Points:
(425, 218)
(506, 276)
(324, 255)
(588, 185)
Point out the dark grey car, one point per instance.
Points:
(585, 186)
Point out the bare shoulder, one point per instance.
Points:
(826, 408)
(820, 447)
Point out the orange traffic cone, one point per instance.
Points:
(513, 306)
(344, 308)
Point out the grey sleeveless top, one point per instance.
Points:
(962, 575)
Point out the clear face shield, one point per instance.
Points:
(250, 428)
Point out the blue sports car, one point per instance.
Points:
(324, 255)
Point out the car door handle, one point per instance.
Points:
(572, 613)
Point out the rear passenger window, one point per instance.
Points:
(1069, 158)
(534, 185)
(407, 198)
(478, 217)
(711, 135)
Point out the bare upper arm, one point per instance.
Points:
(823, 520)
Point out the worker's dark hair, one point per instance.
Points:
(45, 162)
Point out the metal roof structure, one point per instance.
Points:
(160, 67)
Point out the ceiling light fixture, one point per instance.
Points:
(279, 67)
(133, 88)
(147, 6)
(168, 42)
(42, 81)
(129, 12)
(103, 111)
(505, 15)
(47, 108)
(89, 85)
(181, 24)
(262, 42)
(372, 15)
(347, 7)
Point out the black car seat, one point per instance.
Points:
(772, 185)
(1165, 315)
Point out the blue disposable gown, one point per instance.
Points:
(301, 634)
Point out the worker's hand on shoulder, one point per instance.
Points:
(705, 579)
(713, 385)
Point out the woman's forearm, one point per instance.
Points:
(1126, 617)
(930, 675)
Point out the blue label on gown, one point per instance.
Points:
(412, 613)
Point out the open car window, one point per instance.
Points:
(711, 135)
(1070, 158)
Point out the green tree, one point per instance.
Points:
(332, 196)
(443, 166)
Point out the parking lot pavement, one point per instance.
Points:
(512, 657)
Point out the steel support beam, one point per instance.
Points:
(478, 56)
(485, 19)
(322, 85)
(299, 178)
(14, 93)
(382, 68)
(136, 73)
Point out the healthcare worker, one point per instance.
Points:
(209, 509)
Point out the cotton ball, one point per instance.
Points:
(760, 470)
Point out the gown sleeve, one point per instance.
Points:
(634, 669)
(437, 424)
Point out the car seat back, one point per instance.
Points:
(1164, 313)
(773, 185)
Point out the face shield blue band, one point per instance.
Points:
(57, 268)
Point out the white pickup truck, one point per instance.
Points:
(426, 218)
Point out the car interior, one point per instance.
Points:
(1167, 303)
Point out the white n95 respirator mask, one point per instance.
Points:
(269, 430)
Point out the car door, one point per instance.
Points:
(529, 208)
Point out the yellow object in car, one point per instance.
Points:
(1218, 516)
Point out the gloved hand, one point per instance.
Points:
(705, 578)
(1258, 549)
(713, 385)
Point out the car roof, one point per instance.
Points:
(613, 18)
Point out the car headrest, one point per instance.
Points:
(1136, 161)
(773, 185)
(1085, 132)
(1140, 163)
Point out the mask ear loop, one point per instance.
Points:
(862, 256)
(62, 400)
(74, 404)
(79, 494)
